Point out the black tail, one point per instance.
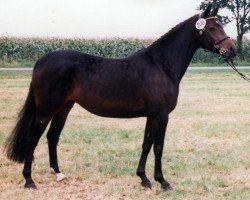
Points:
(17, 143)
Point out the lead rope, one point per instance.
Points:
(231, 64)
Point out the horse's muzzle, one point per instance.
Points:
(228, 53)
(231, 53)
(230, 50)
(226, 48)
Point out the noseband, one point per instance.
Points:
(221, 49)
(216, 44)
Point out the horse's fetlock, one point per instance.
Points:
(140, 173)
(159, 177)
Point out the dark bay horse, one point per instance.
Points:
(145, 84)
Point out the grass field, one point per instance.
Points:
(206, 154)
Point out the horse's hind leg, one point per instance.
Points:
(40, 124)
(53, 135)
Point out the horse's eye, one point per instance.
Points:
(212, 29)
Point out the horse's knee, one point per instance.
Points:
(146, 148)
(158, 150)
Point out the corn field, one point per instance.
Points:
(31, 49)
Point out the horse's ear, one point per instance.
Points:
(207, 11)
(215, 11)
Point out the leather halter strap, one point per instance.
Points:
(217, 43)
(221, 49)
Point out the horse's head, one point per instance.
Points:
(211, 35)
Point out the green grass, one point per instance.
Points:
(17, 63)
(206, 154)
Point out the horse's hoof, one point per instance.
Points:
(30, 186)
(60, 177)
(146, 184)
(166, 186)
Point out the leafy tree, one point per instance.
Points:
(240, 10)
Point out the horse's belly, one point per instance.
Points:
(114, 108)
(115, 112)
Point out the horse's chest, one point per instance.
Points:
(163, 97)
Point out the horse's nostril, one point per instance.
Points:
(232, 51)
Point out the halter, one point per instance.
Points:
(202, 29)
(221, 50)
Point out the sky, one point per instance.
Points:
(95, 18)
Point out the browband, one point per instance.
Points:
(201, 23)
(211, 18)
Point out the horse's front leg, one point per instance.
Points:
(159, 128)
(146, 146)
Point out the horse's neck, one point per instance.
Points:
(175, 50)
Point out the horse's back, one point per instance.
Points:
(65, 58)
